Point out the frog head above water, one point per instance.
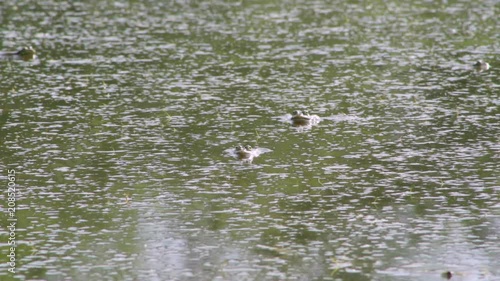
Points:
(244, 151)
(302, 118)
(481, 66)
(26, 53)
(301, 115)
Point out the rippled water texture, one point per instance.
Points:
(121, 131)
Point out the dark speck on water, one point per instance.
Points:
(447, 275)
(122, 133)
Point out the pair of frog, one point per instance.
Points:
(299, 118)
(28, 53)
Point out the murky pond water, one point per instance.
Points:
(120, 134)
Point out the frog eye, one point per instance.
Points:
(247, 147)
(239, 147)
(296, 112)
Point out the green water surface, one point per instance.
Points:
(120, 135)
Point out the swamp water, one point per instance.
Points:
(118, 134)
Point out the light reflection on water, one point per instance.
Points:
(120, 131)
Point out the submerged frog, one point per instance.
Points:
(481, 66)
(302, 118)
(26, 53)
